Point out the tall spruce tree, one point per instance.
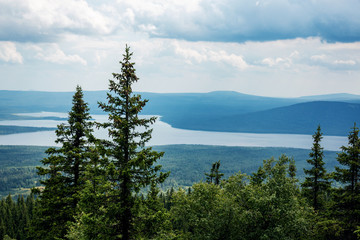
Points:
(130, 164)
(350, 157)
(64, 168)
(316, 183)
(347, 197)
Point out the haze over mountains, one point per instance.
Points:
(214, 111)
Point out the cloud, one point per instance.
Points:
(206, 55)
(281, 61)
(193, 20)
(333, 62)
(345, 62)
(190, 54)
(240, 21)
(54, 54)
(231, 59)
(45, 20)
(8, 53)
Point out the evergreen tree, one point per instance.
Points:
(10, 216)
(316, 184)
(347, 197)
(65, 168)
(350, 157)
(14, 218)
(125, 159)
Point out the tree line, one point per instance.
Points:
(108, 188)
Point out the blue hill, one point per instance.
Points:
(214, 111)
(335, 118)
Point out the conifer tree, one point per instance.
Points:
(65, 168)
(347, 197)
(350, 157)
(130, 166)
(316, 184)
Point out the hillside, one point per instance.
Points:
(339, 97)
(159, 103)
(335, 118)
(187, 163)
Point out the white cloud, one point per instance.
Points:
(318, 57)
(345, 62)
(231, 59)
(205, 54)
(281, 61)
(333, 61)
(190, 54)
(8, 53)
(54, 54)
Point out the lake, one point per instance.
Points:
(164, 134)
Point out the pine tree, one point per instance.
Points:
(316, 184)
(65, 168)
(130, 166)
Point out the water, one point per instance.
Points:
(164, 134)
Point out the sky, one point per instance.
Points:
(279, 48)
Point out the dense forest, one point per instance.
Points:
(110, 188)
(187, 164)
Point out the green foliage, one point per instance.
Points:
(270, 209)
(152, 219)
(328, 228)
(15, 217)
(187, 163)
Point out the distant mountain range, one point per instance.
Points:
(214, 111)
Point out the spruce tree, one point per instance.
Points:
(350, 157)
(347, 197)
(316, 183)
(131, 165)
(64, 168)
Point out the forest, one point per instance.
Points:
(93, 188)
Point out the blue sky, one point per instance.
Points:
(283, 48)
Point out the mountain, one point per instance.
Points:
(336, 118)
(169, 105)
(193, 107)
(213, 111)
(339, 97)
